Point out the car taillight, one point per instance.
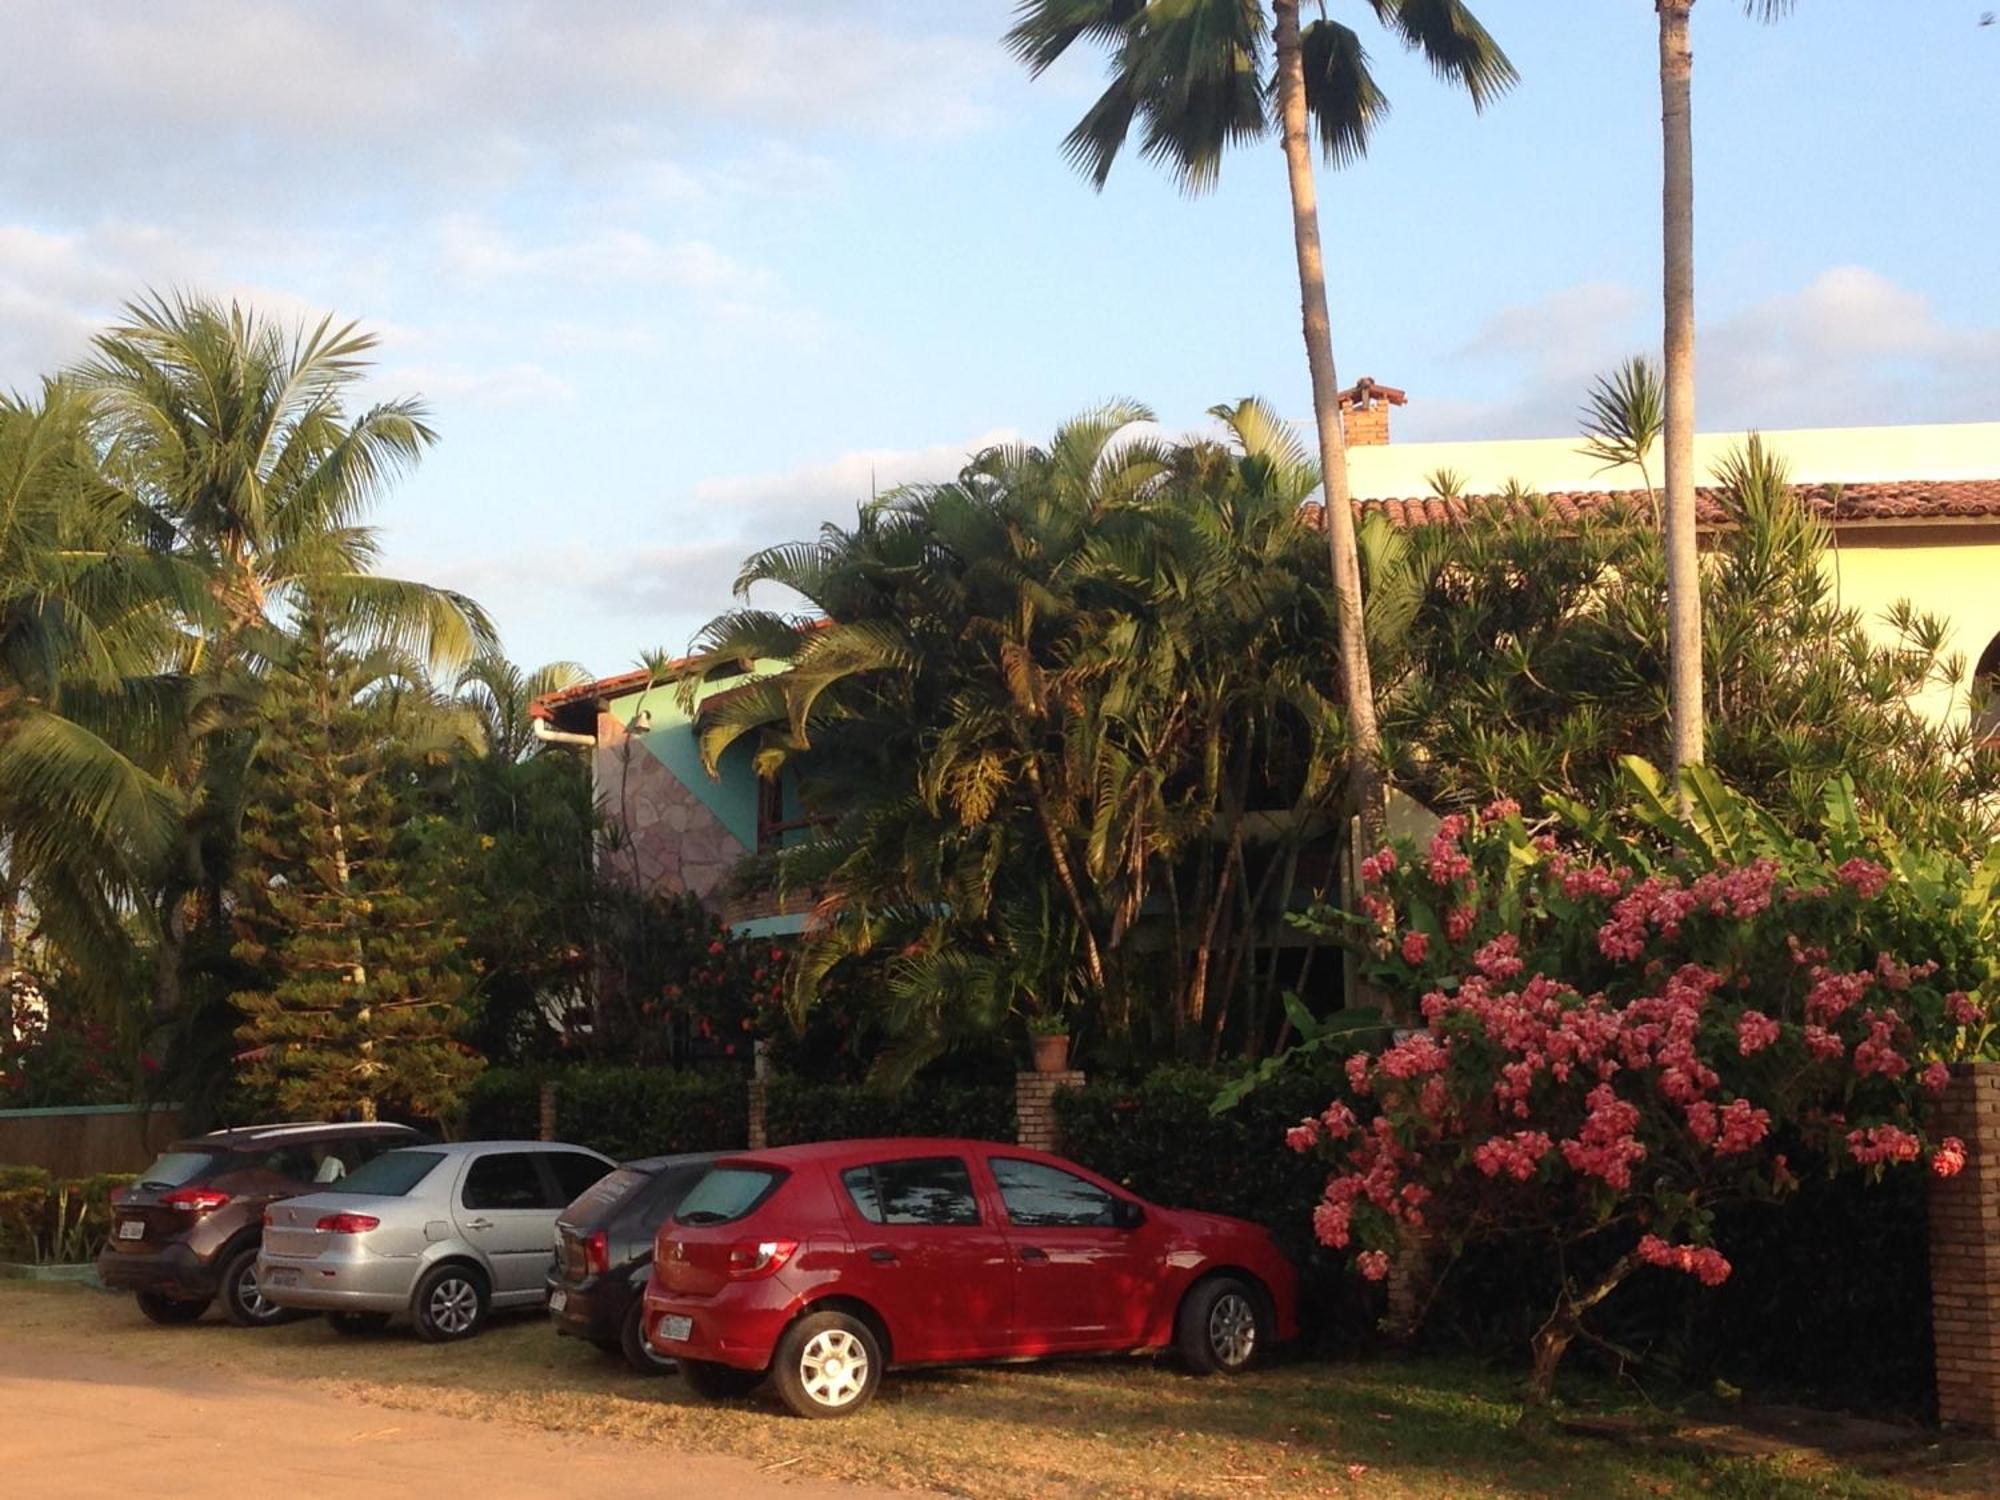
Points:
(597, 1253)
(194, 1200)
(753, 1258)
(347, 1223)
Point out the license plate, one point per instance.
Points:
(675, 1330)
(131, 1229)
(278, 1276)
(558, 1300)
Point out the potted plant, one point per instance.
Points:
(1048, 1034)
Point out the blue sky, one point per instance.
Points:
(677, 278)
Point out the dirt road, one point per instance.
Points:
(84, 1425)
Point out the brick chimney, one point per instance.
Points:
(1364, 412)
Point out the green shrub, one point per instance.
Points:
(43, 1220)
(796, 1112)
(623, 1112)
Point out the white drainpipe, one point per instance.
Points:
(550, 736)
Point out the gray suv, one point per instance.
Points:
(446, 1233)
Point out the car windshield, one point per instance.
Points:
(172, 1169)
(390, 1175)
(610, 1190)
(727, 1194)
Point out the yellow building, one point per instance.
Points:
(1915, 511)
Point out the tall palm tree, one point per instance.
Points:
(1677, 285)
(230, 436)
(1202, 75)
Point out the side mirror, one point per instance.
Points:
(1125, 1214)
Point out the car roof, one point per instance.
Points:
(653, 1165)
(481, 1148)
(305, 1131)
(825, 1151)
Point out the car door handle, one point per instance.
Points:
(883, 1257)
(1031, 1252)
(478, 1223)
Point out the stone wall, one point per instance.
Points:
(670, 843)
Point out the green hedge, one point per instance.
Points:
(795, 1111)
(43, 1220)
(623, 1112)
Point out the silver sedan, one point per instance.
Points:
(446, 1233)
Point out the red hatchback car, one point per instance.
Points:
(822, 1265)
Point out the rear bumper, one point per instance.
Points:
(739, 1326)
(592, 1309)
(378, 1284)
(175, 1271)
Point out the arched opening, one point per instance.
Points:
(1986, 692)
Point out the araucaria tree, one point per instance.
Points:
(1202, 75)
(363, 986)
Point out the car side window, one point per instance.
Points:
(1045, 1197)
(294, 1162)
(935, 1190)
(506, 1179)
(575, 1173)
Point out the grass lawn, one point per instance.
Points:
(1400, 1428)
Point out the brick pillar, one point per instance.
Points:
(547, 1117)
(758, 1140)
(1965, 1253)
(1035, 1107)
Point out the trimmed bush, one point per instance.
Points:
(623, 1112)
(796, 1112)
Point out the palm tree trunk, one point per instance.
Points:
(1093, 959)
(1357, 687)
(1683, 562)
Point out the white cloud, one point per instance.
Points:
(1852, 348)
(520, 383)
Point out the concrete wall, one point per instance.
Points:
(1951, 571)
(86, 1140)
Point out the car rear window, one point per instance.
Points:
(390, 1175)
(172, 1169)
(599, 1201)
(726, 1194)
(923, 1190)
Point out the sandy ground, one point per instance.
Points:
(83, 1425)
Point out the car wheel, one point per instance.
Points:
(170, 1310)
(450, 1304)
(1222, 1327)
(245, 1303)
(639, 1354)
(715, 1382)
(358, 1324)
(828, 1365)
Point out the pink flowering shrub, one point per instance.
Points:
(1607, 1037)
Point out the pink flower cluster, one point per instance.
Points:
(1659, 904)
(1949, 1158)
(1378, 866)
(1373, 1264)
(1864, 877)
(1962, 1009)
(1448, 861)
(1516, 1156)
(1706, 1265)
(1882, 1144)
(1754, 1032)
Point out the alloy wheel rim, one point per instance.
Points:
(454, 1305)
(833, 1367)
(252, 1296)
(1232, 1329)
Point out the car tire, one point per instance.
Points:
(714, 1382)
(357, 1325)
(169, 1311)
(241, 1299)
(828, 1364)
(449, 1303)
(639, 1354)
(1222, 1327)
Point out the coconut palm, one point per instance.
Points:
(229, 435)
(1677, 281)
(501, 695)
(1199, 76)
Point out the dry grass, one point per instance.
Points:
(1084, 1428)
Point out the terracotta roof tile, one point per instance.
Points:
(1894, 500)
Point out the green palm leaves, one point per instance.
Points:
(1195, 76)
